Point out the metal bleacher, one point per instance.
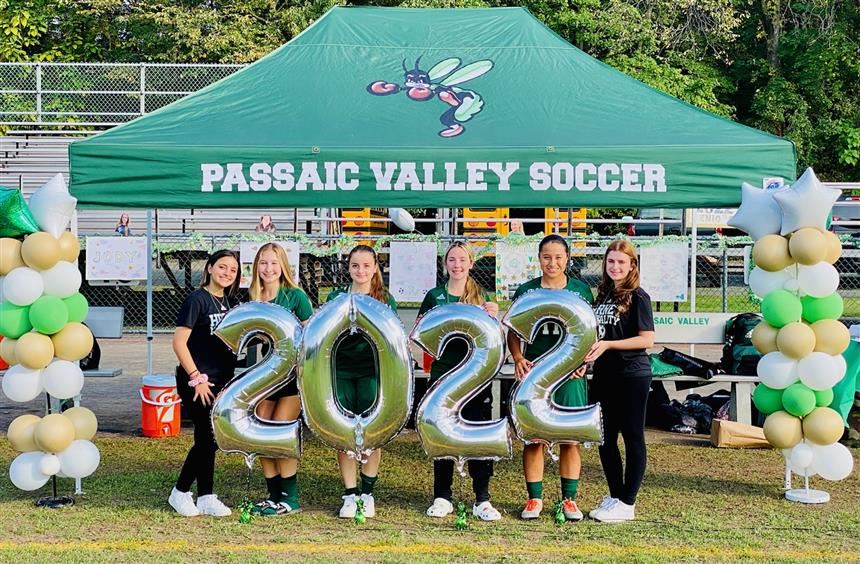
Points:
(28, 159)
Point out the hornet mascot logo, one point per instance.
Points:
(441, 81)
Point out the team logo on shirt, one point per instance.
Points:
(607, 314)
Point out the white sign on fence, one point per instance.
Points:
(248, 250)
(663, 271)
(515, 264)
(413, 270)
(116, 258)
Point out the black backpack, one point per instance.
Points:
(739, 354)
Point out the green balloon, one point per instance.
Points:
(798, 400)
(48, 315)
(780, 308)
(14, 320)
(77, 306)
(17, 219)
(816, 309)
(823, 398)
(767, 400)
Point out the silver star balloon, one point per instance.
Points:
(759, 214)
(806, 203)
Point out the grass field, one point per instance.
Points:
(698, 504)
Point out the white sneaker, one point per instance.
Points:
(369, 505)
(211, 505)
(604, 503)
(532, 509)
(440, 508)
(347, 510)
(486, 512)
(183, 503)
(617, 512)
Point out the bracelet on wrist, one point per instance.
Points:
(194, 374)
(200, 379)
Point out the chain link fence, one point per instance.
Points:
(719, 285)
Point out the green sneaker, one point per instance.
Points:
(274, 509)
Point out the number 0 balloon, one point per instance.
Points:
(234, 421)
(536, 417)
(355, 433)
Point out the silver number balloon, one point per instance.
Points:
(355, 433)
(234, 421)
(535, 416)
(443, 431)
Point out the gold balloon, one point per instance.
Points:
(10, 255)
(70, 248)
(84, 421)
(834, 247)
(22, 431)
(764, 337)
(782, 430)
(40, 251)
(55, 433)
(73, 342)
(771, 253)
(823, 426)
(34, 350)
(808, 246)
(795, 340)
(831, 336)
(7, 350)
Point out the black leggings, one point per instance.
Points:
(623, 400)
(479, 409)
(200, 463)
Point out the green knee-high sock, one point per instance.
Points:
(367, 483)
(535, 490)
(569, 487)
(291, 491)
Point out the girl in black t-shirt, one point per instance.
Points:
(206, 364)
(622, 377)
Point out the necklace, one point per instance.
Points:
(218, 302)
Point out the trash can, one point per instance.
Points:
(159, 407)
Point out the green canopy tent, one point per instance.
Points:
(391, 107)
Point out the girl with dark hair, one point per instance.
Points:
(461, 287)
(357, 379)
(206, 364)
(272, 281)
(622, 378)
(122, 226)
(554, 255)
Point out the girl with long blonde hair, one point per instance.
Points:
(458, 261)
(622, 378)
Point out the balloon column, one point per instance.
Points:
(41, 315)
(801, 338)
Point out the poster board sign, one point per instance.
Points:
(116, 258)
(664, 271)
(515, 264)
(412, 269)
(248, 250)
(711, 218)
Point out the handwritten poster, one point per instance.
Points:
(664, 271)
(248, 250)
(515, 264)
(413, 269)
(116, 258)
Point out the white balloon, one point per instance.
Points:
(777, 371)
(832, 462)
(2, 298)
(801, 455)
(841, 366)
(818, 371)
(759, 214)
(402, 218)
(22, 286)
(63, 379)
(80, 459)
(791, 285)
(52, 206)
(818, 280)
(49, 464)
(763, 282)
(25, 471)
(62, 280)
(22, 384)
(805, 203)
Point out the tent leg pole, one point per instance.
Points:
(149, 291)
